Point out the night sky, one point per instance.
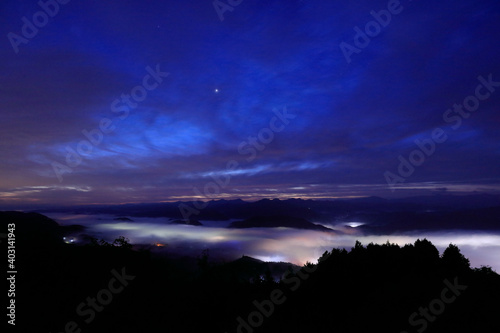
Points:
(148, 101)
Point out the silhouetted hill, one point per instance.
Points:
(34, 228)
(392, 222)
(380, 288)
(479, 211)
(453, 202)
(247, 269)
(373, 288)
(187, 222)
(123, 219)
(276, 221)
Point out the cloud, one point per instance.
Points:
(353, 120)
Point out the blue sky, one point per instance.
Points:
(226, 81)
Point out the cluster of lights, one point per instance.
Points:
(69, 240)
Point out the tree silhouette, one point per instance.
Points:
(426, 253)
(453, 259)
(203, 260)
(122, 242)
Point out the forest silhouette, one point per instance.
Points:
(376, 288)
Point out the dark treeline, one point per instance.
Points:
(109, 287)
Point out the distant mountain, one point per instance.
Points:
(277, 221)
(466, 219)
(480, 211)
(34, 228)
(453, 202)
(247, 268)
(123, 218)
(187, 222)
